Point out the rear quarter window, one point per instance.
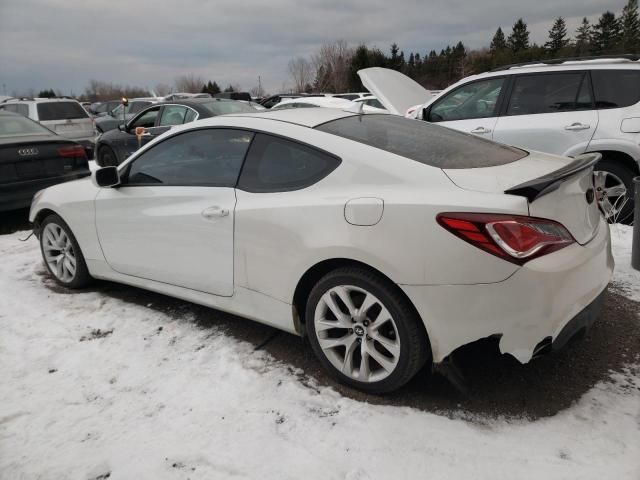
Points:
(616, 88)
(60, 111)
(423, 142)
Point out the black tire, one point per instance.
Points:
(415, 349)
(626, 175)
(81, 277)
(107, 157)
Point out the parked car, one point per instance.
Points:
(116, 145)
(246, 96)
(184, 95)
(103, 108)
(388, 242)
(33, 157)
(351, 96)
(275, 99)
(64, 116)
(562, 107)
(309, 101)
(120, 114)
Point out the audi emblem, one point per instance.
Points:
(27, 152)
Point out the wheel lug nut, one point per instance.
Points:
(366, 323)
(359, 339)
(368, 337)
(351, 330)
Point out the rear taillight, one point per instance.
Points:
(74, 151)
(514, 238)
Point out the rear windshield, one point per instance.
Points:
(221, 107)
(423, 142)
(16, 125)
(60, 111)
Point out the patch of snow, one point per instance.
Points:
(624, 277)
(92, 387)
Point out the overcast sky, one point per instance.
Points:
(61, 44)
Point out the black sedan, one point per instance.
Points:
(114, 146)
(32, 157)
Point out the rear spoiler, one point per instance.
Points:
(540, 186)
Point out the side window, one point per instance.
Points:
(146, 119)
(558, 92)
(208, 157)
(172, 115)
(474, 100)
(616, 88)
(277, 165)
(190, 116)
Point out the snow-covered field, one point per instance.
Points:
(92, 387)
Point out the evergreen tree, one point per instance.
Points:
(606, 34)
(229, 89)
(519, 38)
(557, 36)
(498, 42)
(395, 61)
(215, 88)
(583, 38)
(630, 24)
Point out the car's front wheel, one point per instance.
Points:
(61, 253)
(364, 331)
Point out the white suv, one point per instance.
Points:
(64, 116)
(565, 108)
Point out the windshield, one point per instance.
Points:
(222, 107)
(423, 142)
(11, 126)
(60, 111)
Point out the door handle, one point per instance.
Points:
(215, 212)
(481, 130)
(577, 126)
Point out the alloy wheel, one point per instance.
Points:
(58, 252)
(611, 193)
(357, 334)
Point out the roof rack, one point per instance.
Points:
(631, 57)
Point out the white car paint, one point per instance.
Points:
(326, 102)
(376, 208)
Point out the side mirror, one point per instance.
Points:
(106, 177)
(122, 127)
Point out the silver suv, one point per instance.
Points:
(566, 107)
(64, 116)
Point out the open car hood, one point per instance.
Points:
(396, 91)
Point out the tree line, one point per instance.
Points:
(334, 67)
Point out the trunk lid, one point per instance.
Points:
(36, 157)
(396, 91)
(556, 188)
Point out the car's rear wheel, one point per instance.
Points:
(107, 157)
(364, 331)
(614, 189)
(61, 253)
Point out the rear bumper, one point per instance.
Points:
(19, 194)
(549, 298)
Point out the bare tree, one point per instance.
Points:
(332, 66)
(162, 89)
(301, 72)
(100, 91)
(189, 83)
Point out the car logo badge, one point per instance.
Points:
(27, 152)
(359, 330)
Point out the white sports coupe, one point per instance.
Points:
(388, 242)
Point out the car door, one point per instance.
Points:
(146, 119)
(471, 108)
(171, 220)
(549, 112)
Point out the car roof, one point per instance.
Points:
(317, 101)
(306, 117)
(561, 66)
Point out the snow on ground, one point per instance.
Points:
(91, 385)
(625, 278)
